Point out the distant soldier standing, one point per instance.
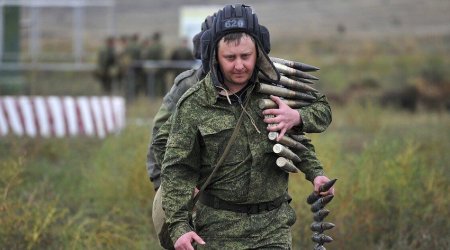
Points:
(133, 56)
(122, 60)
(181, 53)
(155, 51)
(106, 65)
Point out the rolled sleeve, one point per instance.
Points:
(316, 117)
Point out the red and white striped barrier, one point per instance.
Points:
(61, 116)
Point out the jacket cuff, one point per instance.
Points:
(307, 121)
(178, 230)
(313, 174)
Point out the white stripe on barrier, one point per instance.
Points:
(61, 116)
(71, 115)
(86, 117)
(42, 115)
(107, 109)
(57, 116)
(119, 112)
(3, 121)
(28, 115)
(13, 115)
(98, 120)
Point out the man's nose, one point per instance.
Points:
(239, 65)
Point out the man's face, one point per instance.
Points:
(237, 61)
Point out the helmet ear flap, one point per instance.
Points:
(205, 45)
(265, 38)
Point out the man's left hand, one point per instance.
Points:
(285, 117)
(319, 181)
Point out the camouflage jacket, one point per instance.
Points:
(106, 59)
(200, 129)
(181, 84)
(315, 119)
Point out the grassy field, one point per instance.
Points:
(392, 168)
(86, 193)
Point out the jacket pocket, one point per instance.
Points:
(215, 134)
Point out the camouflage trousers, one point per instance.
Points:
(222, 229)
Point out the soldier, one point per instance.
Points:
(132, 59)
(246, 203)
(106, 65)
(123, 61)
(155, 51)
(314, 118)
(181, 53)
(181, 84)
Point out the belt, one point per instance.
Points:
(256, 208)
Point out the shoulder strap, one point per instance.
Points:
(222, 157)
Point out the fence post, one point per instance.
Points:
(11, 82)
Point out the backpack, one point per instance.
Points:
(159, 221)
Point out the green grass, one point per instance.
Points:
(392, 166)
(78, 193)
(84, 193)
(393, 176)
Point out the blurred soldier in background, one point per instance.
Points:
(106, 65)
(155, 51)
(123, 60)
(133, 49)
(133, 55)
(182, 52)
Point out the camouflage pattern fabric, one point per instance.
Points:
(200, 129)
(222, 229)
(181, 84)
(106, 65)
(106, 59)
(315, 119)
(181, 53)
(156, 52)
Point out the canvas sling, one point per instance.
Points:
(158, 214)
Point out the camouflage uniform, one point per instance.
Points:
(181, 84)
(315, 119)
(156, 52)
(200, 129)
(181, 53)
(106, 61)
(132, 56)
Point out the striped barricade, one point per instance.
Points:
(60, 116)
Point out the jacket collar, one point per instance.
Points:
(212, 91)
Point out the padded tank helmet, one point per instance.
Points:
(237, 18)
(207, 24)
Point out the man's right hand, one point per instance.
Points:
(185, 241)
